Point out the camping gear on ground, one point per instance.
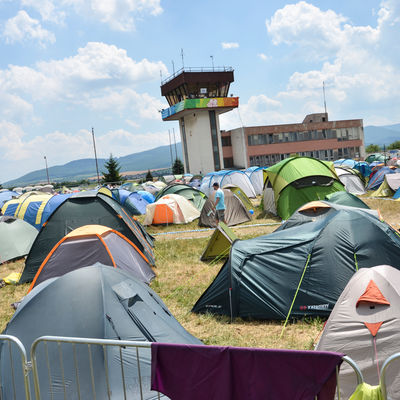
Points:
(196, 197)
(319, 209)
(365, 325)
(16, 238)
(377, 178)
(93, 302)
(85, 208)
(225, 177)
(171, 209)
(346, 199)
(296, 181)
(219, 244)
(89, 244)
(237, 373)
(300, 271)
(389, 186)
(255, 175)
(351, 180)
(235, 211)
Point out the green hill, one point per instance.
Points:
(156, 158)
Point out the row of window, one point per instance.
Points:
(339, 134)
(327, 155)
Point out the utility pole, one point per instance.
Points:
(176, 153)
(47, 170)
(170, 148)
(212, 61)
(183, 63)
(95, 156)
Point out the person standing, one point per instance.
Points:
(219, 202)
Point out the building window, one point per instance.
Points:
(228, 162)
(226, 141)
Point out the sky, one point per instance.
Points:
(67, 66)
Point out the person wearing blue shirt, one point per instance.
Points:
(219, 202)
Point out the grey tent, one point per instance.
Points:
(365, 325)
(351, 180)
(235, 212)
(16, 238)
(93, 302)
(300, 271)
(90, 244)
(84, 208)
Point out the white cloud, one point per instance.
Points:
(129, 100)
(47, 10)
(24, 28)
(92, 73)
(118, 14)
(263, 56)
(229, 45)
(361, 63)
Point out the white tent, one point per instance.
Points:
(351, 181)
(255, 175)
(235, 177)
(171, 209)
(365, 325)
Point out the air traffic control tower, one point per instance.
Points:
(196, 97)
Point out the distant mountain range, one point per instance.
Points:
(157, 158)
(381, 135)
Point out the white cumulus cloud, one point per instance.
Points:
(229, 45)
(119, 15)
(23, 28)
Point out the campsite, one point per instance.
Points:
(98, 268)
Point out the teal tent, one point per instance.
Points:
(300, 271)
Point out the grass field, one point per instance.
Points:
(182, 278)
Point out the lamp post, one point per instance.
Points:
(95, 156)
(47, 170)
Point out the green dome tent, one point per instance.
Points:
(196, 197)
(298, 180)
(300, 271)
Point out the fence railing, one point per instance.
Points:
(83, 368)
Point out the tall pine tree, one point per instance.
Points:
(177, 168)
(112, 175)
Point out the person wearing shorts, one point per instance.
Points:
(219, 202)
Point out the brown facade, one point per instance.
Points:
(315, 137)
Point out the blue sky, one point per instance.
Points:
(69, 65)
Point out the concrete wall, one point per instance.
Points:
(199, 145)
(239, 148)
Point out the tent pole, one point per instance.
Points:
(295, 295)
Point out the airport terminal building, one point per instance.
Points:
(315, 137)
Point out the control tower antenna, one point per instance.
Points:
(323, 89)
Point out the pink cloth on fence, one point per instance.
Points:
(196, 372)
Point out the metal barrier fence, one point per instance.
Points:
(84, 368)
